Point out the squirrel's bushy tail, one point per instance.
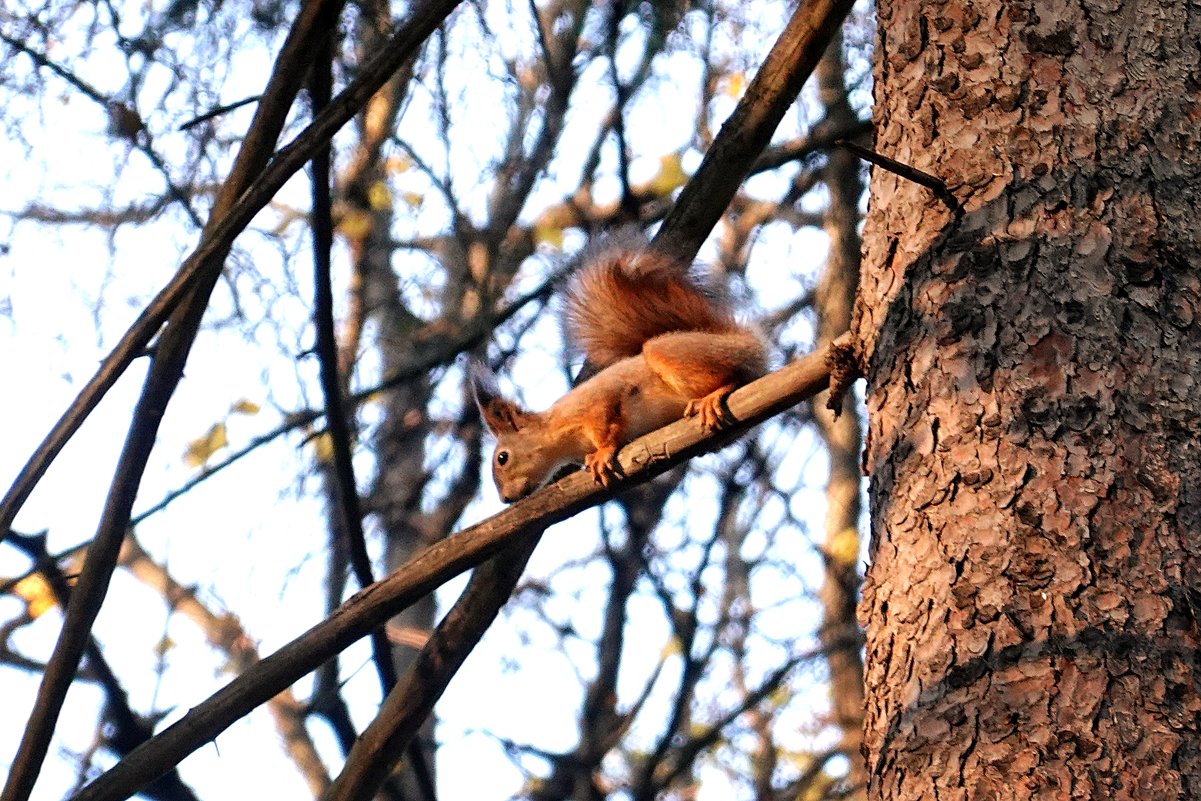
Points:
(624, 295)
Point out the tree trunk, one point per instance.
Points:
(1034, 392)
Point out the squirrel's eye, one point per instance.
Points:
(502, 457)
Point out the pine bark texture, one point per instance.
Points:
(1034, 370)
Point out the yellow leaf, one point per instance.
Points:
(355, 224)
(843, 548)
(413, 199)
(673, 647)
(163, 646)
(735, 84)
(780, 696)
(200, 450)
(37, 593)
(550, 235)
(379, 197)
(398, 164)
(244, 406)
(671, 175)
(323, 447)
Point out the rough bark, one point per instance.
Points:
(1034, 395)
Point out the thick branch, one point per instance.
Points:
(380, 747)
(166, 369)
(216, 241)
(641, 460)
(748, 130)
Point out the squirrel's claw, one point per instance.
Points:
(711, 409)
(602, 464)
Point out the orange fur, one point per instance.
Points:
(666, 346)
(651, 294)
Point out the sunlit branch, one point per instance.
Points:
(166, 368)
(640, 461)
(750, 127)
(216, 242)
(106, 217)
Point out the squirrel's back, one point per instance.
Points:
(623, 296)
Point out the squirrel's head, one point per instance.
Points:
(519, 464)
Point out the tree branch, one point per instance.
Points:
(381, 746)
(640, 461)
(748, 130)
(215, 242)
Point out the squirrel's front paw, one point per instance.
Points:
(711, 409)
(602, 464)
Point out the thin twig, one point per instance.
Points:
(933, 183)
(219, 110)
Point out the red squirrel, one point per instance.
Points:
(664, 344)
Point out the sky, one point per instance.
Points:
(251, 540)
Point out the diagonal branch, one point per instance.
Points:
(381, 746)
(314, 23)
(218, 238)
(641, 460)
(748, 130)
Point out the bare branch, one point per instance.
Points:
(641, 460)
(380, 747)
(314, 23)
(750, 127)
(219, 110)
(906, 171)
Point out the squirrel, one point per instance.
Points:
(663, 343)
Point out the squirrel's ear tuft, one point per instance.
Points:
(500, 414)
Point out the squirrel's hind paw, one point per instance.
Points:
(711, 409)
